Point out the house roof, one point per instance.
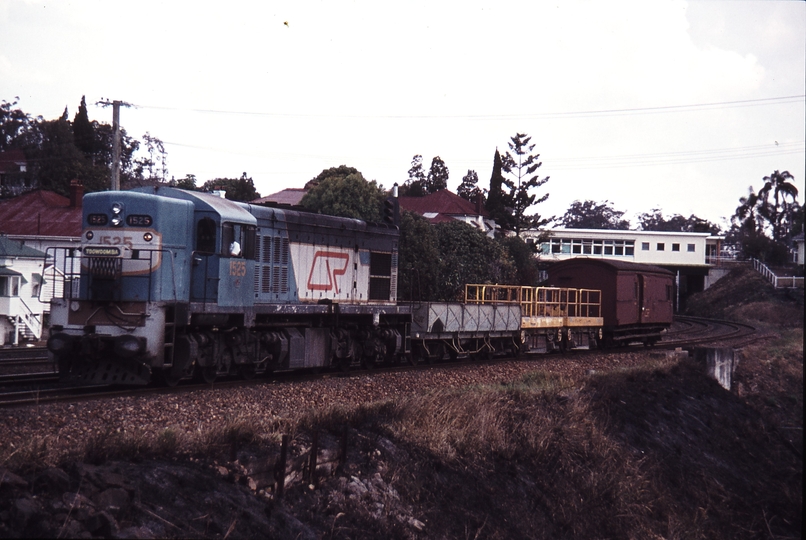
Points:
(288, 196)
(15, 248)
(40, 213)
(442, 204)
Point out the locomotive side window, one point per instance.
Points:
(205, 236)
(380, 275)
(238, 240)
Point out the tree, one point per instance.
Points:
(522, 167)
(13, 124)
(342, 171)
(654, 220)
(418, 259)
(777, 212)
(496, 206)
(415, 185)
(189, 183)
(154, 166)
(469, 189)
(346, 196)
(235, 189)
(522, 254)
(592, 215)
(757, 215)
(437, 176)
(467, 255)
(83, 132)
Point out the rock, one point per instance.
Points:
(24, 511)
(9, 479)
(114, 500)
(52, 480)
(101, 524)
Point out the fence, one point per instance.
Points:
(779, 282)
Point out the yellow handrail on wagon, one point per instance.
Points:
(543, 306)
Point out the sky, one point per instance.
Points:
(675, 105)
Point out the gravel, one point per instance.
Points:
(67, 426)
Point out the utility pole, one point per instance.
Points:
(115, 139)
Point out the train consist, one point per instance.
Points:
(170, 285)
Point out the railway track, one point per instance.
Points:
(40, 388)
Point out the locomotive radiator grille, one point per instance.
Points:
(106, 267)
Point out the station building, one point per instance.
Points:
(693, 257)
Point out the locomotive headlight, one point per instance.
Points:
(117, 215)
(148, 237)
(89, 235)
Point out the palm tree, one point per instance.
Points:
(778, 184)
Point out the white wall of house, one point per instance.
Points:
(633, 246)
(19, 294)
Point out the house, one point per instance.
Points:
(13, 167)
(286, 197)
(800, 254)
(444, 205)
(22, 270)
(33, 226)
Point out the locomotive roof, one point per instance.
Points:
(615, 265)
(228, 210)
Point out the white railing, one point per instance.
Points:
(18, 311)
(779, 282)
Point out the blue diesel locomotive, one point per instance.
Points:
(171, 284)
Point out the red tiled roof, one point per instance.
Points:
(442, 202)
(289, 196)
(40, 212)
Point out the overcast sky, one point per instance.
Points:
(665, 104)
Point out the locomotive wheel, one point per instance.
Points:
(208, 374)
(247, 371)
(168, 378)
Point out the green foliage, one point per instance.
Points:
(13, 124)
(469, 189)
(342, 171)
(654, 220)
(437, 176)
(347, 196)
(495, 205)
(592, 215)
(415, 185)
(527, 272)
(236, 189)
(188, 183)
(59, 151)
(419, 259)
(521, 169)
(468, 256)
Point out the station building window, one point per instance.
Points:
(675, 247)
(691, 248)
(644, 246)
(661, 246)
(578, 246)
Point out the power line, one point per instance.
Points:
(569, 114)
